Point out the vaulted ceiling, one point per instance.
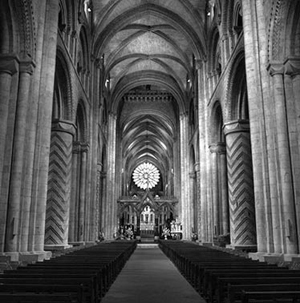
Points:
(149, 48)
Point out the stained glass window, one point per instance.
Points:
(146, 175)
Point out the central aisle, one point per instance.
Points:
(149, 276)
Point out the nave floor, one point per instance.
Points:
(149, 276)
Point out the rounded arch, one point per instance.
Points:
(216, 123)
(17, 30)
(144, 78)
(284, 24)
(214, 51)
(63, 107)
(81, 122)
(237, 96)
(292, 35)
(63, 16)
(83, 51)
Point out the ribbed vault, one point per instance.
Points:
(148, 50)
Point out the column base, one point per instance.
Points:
(28, 257)
(206, 243)
(275, 258)
(55, 247)
(244, 248)
(82, 243)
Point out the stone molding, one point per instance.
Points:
(292, 66)
(275, 68)
(63, 126)
(236, 126)
(27, 67)
(199, 64)
(218, 148)
(9, 63)
(79, 147)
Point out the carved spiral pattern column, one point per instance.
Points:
(58, 201)
(240, 183)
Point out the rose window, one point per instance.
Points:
(146, 175)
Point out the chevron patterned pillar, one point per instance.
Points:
(240, 184)
(59, 184)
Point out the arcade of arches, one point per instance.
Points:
(202, 96)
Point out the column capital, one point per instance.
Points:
(27, 67)
(192, 175)
(236, 126)
(85, 147)
(112, 115)
(183, 115)
(218, 148)
(64, 126)
(275, 68)
(9, 63)
(292, 66)
(79, 147)
(198, 64)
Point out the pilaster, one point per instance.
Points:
(8, 67)
(110, 209)
(288, 218)
(292, 90)
(13, 231)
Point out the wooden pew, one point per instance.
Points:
(211, 276)
(83, 275)
(77, 293)
(37, 298)
(210, 271)
(222, 284)
(270, 296)
(234, 292)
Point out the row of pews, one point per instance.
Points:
(223, 277)
(83, 275)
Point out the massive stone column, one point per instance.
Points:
(59, 185)
(8, 67)
(240, 184)
(47, 43)
(288, 218)
(16, 179)
(256, 46)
